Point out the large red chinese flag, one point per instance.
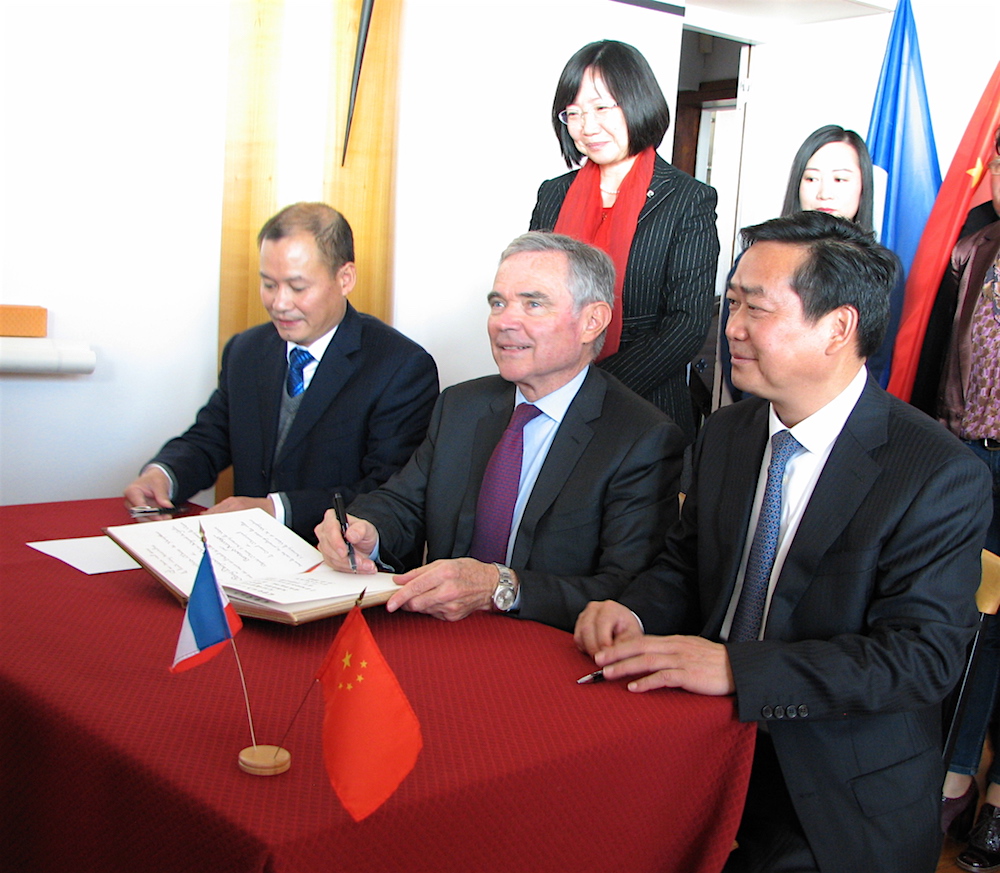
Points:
(371, 735)
(940, 234)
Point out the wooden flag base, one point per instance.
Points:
(265, 760)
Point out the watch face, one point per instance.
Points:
(503, 597)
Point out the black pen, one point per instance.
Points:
(596, 676)
(137, 511)
(338, 507)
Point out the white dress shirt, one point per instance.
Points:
(816, 434)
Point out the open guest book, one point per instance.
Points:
(267, 569)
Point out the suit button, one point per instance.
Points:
(803, 710)
(779, 712)
(766, 711)
(791, 712)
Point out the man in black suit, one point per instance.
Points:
(840, 621)
(298, 427)
(597, 472)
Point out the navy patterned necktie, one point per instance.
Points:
(750, 609)
(498, 493)
(298, 360)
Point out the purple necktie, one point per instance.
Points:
(750, 609)
(498, 493)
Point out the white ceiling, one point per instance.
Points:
(786, 12)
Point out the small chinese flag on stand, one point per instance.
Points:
(371, 735)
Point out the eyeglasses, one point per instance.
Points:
(575, 117)
(994, 166)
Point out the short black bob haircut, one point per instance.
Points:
(630, 82)
(812, 144)
(845, 267)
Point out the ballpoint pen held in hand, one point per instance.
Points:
(338, 507)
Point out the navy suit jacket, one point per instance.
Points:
(608, 482)
(669, 285)
(868, 623)
(364, 413)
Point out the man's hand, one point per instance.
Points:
(692, 663)
(152, 488)
(360, 533)
(234, 504)
(449, 589)
(602, 624)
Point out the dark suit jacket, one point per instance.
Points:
(669, 285)
(365, 411)
(608, 482)
(867, 627)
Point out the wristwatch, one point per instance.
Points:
(505, 593)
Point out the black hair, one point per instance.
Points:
(812, 144)
(630, 82)
(845, 266)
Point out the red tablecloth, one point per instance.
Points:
(111, 763)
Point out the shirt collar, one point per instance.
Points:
(555, 403)
(317, 348)
(818, 432)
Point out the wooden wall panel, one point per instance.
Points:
(363, 188)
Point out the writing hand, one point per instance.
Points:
(361, 534)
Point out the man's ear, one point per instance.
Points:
(843, 325)
(595, 317)
(346, 278)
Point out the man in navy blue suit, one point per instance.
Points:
(835, 606)
(322, 399)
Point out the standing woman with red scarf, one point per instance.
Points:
(656, 222)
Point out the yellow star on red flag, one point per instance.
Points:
(371, 737)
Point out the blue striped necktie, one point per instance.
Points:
(298, 360)
(750, 609)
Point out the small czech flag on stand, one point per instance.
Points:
(209, 620)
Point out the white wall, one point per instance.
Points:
(112, 169)
(114, 132)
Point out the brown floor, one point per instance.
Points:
(951, 851)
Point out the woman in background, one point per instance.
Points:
(656, 222)
(831, 172)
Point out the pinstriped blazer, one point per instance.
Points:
(668, 289)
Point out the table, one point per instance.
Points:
(111, 763)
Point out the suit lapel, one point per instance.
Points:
(334, 371)
(489, 429)
(270, 384)
(661, 186)
(843, 485)
(574, 435)
(734, 490)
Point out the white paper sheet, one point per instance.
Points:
(89, 555)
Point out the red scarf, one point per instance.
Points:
(584, 217)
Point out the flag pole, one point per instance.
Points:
(312, 684)
(246, 697)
